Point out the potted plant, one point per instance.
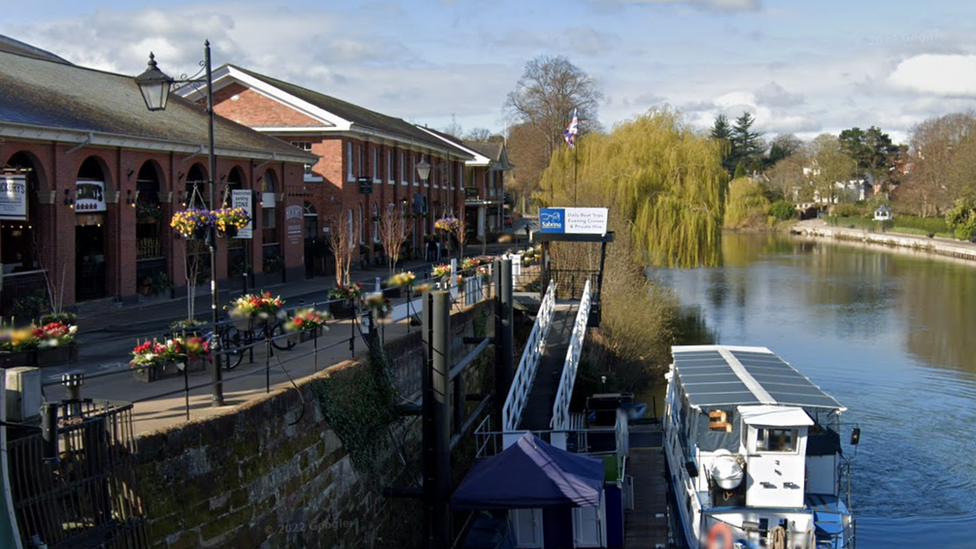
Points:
(342, 300)
(251, 312)
(192, 222)
(187, 327)
(153, 360)
(230, 220)
(55, 343)
(148, 212)
(398, 282)
(18, 347)
(378, 303)
(305, 325)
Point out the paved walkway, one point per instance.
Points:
(155, 409)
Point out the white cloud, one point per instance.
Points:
(946, 75)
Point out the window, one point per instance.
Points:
(776, 440)
(413, 170)
(375, 166)
(307, 147)
(403, 162)
(389, 166)
(360, 227)
(359, 158)
(349, 161)
(376, 223)
(350, 229)
(268, 217)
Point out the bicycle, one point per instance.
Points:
(235, 342)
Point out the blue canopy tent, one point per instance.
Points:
(532, 474)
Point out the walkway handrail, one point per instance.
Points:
(518, 393)
(560, 408)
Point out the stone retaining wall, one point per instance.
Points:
(271, 474)
(937, 246)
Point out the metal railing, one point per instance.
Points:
(87, 497)
(518, 393)
(560, 408)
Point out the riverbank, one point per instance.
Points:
(937, 246)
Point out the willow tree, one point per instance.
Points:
(660, 176)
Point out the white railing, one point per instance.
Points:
(518, 393)
(560, 409)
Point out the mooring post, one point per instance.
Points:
(436, 420)
(504, 333)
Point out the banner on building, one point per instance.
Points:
(89, 196)
(573, 220)
(13, 197)
(241, 198)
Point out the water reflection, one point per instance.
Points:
(884, 331)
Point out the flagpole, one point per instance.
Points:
(575, 165)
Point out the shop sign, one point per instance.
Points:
(365, 185)
(573, 220)
(13, 197)
(89, 196)
(293, 223)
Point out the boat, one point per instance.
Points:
(753, 451)
(601, 409)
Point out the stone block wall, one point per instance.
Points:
(272, 474)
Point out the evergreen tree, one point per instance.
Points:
(746, 144)
(722, 132)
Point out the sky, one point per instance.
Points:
(799, 67)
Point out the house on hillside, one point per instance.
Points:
(368, 162)
(93, 178)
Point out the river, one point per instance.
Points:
(892, 335)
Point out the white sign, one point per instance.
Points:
(89, 196)
(240, 198)
(573, 220)
(13, 197)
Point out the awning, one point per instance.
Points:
(532, 474)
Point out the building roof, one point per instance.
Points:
(10, 45)
(51, 100)
(717, 375)
(352, 117)
(485, 153)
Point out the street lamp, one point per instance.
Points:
(155, 86)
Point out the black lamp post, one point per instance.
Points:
(155, 86)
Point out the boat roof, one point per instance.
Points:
(720, 375)
(774, 416)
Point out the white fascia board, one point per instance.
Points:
(478, 158)
(226, 75)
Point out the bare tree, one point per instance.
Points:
(545, 98)
(461, 232)
(394, 228)
(340, 240)
(479, 135)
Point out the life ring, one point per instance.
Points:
(720, 530)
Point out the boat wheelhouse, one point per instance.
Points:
(754, 454)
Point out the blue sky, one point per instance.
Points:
(799, 67)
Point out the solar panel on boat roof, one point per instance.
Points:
(709, 380)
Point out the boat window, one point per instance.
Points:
(776, 440)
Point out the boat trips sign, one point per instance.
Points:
(573, 220)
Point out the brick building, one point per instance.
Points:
(367, 160)
(484, 184)
(92, 178)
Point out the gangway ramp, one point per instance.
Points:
(538, 409)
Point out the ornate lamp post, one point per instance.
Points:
(423, 171)
(155, 86)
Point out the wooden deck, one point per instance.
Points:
(646, 526)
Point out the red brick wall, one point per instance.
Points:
(54, 222)
(254, 109)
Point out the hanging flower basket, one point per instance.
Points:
(229, 220)
(153, 360)
(192, 222)
(305, 325)
(251, 312)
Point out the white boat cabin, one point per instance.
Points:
(753, 447)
